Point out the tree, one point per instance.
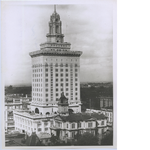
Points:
(87, 139)
(108, 139)
(54, 140)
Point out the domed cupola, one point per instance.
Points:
(55, 34)
(55, 16)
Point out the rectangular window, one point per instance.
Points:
(46, 85)
(66, 84)
(46, 129)
(102, 123)
(90, 124)
(61, 84)
(66, 70)
(61, 70)
(56, 80)
(56, 89)
(46, 80)
(76, 70)
(76, 84)
(46, 90)
(66, 75)
(61, 75)
(76, 89)
(46, 70)
(79, 125)
(56, 74)
(46, 75)
(66, 79)
(56, 94)
(76, 79)
(45, 123)
(76, 74)
(56, 84)
(39, 129)
(46, 95)
(61, 79)
(73, 125)
(56, 70)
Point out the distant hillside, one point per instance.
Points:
(18, 90)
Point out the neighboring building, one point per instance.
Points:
(13, 103)
(67, 126)
(106, 102)
(109, 113)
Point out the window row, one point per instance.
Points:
(46, 80)
(37, 75)
(37, 99)
(37, 70)
(37, 80)
(37, 85)
(61, 65)
(36, 89)
(37, 94)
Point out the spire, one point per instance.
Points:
(55, 8)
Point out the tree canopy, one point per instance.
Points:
(87, 139)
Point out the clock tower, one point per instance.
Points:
(55, 34)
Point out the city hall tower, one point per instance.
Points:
(55, 70)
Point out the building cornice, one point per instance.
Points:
(55, 53)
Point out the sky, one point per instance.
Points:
(88, 27)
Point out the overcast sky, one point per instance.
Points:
(89, 28)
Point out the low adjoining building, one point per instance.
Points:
(14, 103)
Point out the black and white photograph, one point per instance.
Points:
(59, 74)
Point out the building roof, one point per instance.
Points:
(55, 53)
(43, 135)
(82, 117)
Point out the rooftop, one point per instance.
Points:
(82, 117)
(32, 115)
(55, 52)
(43, 135)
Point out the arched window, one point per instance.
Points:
(37, 110)
(47, 113)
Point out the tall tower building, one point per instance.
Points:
(55, 69)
